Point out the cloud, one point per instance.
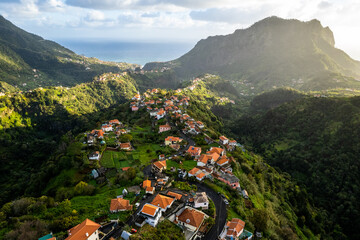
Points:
(324, 5)
(227, 15)
(150, 14)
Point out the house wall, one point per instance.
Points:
(153, 221)
(94, 236)
(204, 205)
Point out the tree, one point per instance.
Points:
(260, 219)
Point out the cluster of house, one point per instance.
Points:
(183, 209)
(213, 164)
(95, 135)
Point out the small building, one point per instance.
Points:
(87, 230)
(201, 200)
(114, 122)
(160, 114)
(222, 161)
(233, 229)
(164, 128)
(119, 204)
(150, 190)
(162, 157)
(146, 184)
(163, 202)
(134, 108)
(194, 172)
(200, 125)
(151, 213)
(218, 150)
(158, 166)
(194, 151)
(230, 180)
(176, 195)
(125, 146)
(107, 128)
(200, 176)
(190, 218)
(224, 140)
(125, 235)
(95, 156)
(172, 140)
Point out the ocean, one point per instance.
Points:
(131, 52)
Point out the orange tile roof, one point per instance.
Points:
(192, 217)
(200, 175)
(173, 139)
(120, 204)
(204, 158)
(149, 189)
(149, 209)
(125, 168)
(115, 121)
(214, 155)
(217, 150)
(235, 226)
(223, 138)
(194, 150)
(174, 194)
(146, 183)
(160, 164)
(125, 145)
(194, 171)
(222, 161)
(162, 201)
(79, 231)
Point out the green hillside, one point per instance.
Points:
(277, 207)
(29, 61)
(316, 140)
(32, 123)
(273, 52)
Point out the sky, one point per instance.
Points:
(175, 20)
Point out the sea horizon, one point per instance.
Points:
(126, 51)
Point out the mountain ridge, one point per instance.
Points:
(28, 61)
(272, 52)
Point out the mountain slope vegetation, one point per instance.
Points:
(277, 207)
(29, 61)
(32, 123)
(316, 140)
(273, 52)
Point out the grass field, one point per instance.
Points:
(111, 159)
(187, 165)
(145, 153)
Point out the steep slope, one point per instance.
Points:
(31, 126)
(29, 61)
(316, 140)
(272, 52)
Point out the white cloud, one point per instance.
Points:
(175, 19)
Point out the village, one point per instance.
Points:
(172, 188)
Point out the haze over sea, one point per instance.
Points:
(131, 52)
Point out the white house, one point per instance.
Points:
(190, 218)
(151, 213)
(107, 128)
(95, 156)
(201, 200)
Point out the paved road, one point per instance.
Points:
(221, 212)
